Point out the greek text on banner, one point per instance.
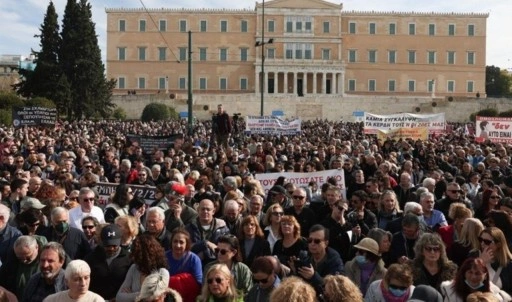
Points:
(271, 125)
(414, 133)
(435, 123)
(495, 129)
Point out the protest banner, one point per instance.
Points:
(268, 180)
(106, 189)
(33, 116)
(435, 123)
(403, 133)
(271, 125)
(495, 129)
(149, 143)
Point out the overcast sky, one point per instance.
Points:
(20, 19)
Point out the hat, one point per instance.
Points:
(277, 189)
(31, 203)
(426, 293)
(176, 188)
(111, 235)
(369, 245)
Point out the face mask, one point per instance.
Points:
(397, 292)
(62, 227)
(360, 259)
(474, 287)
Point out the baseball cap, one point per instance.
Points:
(111, 235)
(31, 203)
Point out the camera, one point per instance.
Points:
(303, 260)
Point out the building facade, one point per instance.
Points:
(308, 48)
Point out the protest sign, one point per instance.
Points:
(106, 189)
(149, 143)
(403, 133)
(271, 125)
(33, 116)
(495, 129)
(435, 123)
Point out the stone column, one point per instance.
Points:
(342, 86)
(294, 83)
(324, 82)
(305, 83)
(265, 82)
(257, 81)
(285, 82)
(314, 83)
(276, 80)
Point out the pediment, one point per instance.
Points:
(315, 4)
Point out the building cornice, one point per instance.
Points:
(180, 10)
(417, 14)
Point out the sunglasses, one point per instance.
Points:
(398, 287)
(315, 241)
(485, 241)
(432, 249)
(278, 213)
(217, 280)
(455, 191)
(221, 251)
(265, 280)
(88, 167)
(88, 227)
(494, 197)
(298, 197)
(88, 199)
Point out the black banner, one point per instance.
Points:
(149, 143)
(33, 116)
(106, 189)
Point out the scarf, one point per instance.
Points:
(388, 297)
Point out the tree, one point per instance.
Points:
(497, 82)
(155, 112)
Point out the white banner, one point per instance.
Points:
(271, 125)
(495, 129)
(434, 122)
(268, 180)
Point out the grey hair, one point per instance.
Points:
(230, 181)
(57, 247)
(429, 181)
(410, 220)
(157, 210)
(426, 195)
(85, 190)
(156, 167)
(231, 204)
(126, 162)
(26, 241)
(411, 206)
(76, 267)
(58, 210)
(5, 212)
(379, 234)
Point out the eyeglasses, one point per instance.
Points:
(88, 199)
(265, 280)
(315, 241)
(432, 249)
(88, 167)
(455, 191)
(19, 161)
(393, 286)
(73, 198)
(88, 227)
(277, 213)
(485, 241)
(221, 251)
(494, 197)
(298, 197)
(217, 280)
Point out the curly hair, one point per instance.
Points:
(400, 272)
(342, 289)
(432, 239)
(293, 289)
(148, 254)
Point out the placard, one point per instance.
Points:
(495, 129)
(33, 116)
(272, 125)
(435, 123)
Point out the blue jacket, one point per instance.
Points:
(7, 238)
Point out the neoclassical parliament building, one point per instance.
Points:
(310, 47)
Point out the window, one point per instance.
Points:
(161, 83)
(243, 84)
(450, 86)
(392, 56)
(289, 51)
(431, 29)
(243, 54)
(121, 53)
(298, 26)
(203, 26)
(471, 58)
(121, 82)
(243, 26)
(412, 85)
(223, 84)
(307, 26)
(327, 27)
(450, 57)
(142, 83)
(352, 28)
(162, 53)
(182, 83)
(352, 55)
(163, 25)
(372, 29)
(470, 86)
(451, 29)
(289, 26)
(307, 51)
(430, 85)
(326, 54)
(391, 85)
(183, 26)
(142, 25)
(412, 56)
(223, 26)
(471, 30)
(223, 54)
(372, 56)
(142, 53)
(270, 26)
(431, 57)
(351, 85)
(271, 53)
(371, 85)
(412, 29)
(183, 53)
(122, 25)
(202, 83)
(202, 53)
(392, 28)
(298, 53)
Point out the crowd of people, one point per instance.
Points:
(414, 221)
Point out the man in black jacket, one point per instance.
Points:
(109, 263)
(222, 127)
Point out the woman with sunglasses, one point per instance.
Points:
(219, 286)
(431, 266)
(396, 286)
(496, 256)
(471, 277)
(229, 253)
(89, 225)
(291, 243)
(272, 221)
(490, 201)
(502, 221)
(252, 240)
(367, 266)
(265, 280)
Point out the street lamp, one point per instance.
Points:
(262, 45)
